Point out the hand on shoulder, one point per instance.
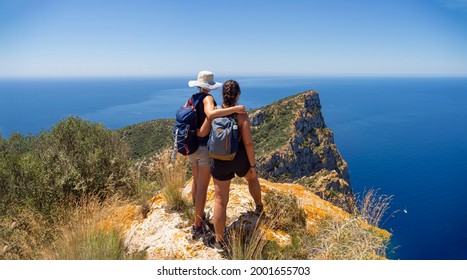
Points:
(240, 109)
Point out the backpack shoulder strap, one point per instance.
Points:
(196, 98)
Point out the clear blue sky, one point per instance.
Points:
(174, 38)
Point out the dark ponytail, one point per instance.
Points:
(230, 91)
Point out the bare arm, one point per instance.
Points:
(204, 129)
(212, 113)
(245, 131)
(239, 109)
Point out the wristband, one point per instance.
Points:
(253, 166)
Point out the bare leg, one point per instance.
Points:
(194, 185)
(221, 189)
(254, 187)
(204, 176)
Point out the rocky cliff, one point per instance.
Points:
(294, 145)
(327, 231)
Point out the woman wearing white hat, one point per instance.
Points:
(199, 160)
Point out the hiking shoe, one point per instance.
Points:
(197, 232)
(219, 246)
(259, 208)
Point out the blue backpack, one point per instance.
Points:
(185, 138)
(224, 138)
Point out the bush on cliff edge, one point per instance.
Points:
(43, 176)
(76, 157)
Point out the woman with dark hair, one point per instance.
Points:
(243, 165)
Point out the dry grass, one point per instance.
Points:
(247, 237)
(334, 238)
(286, 211)
(85, 231)
(80, 237)
(346, 240)
(171, 177)
(90, 232)
(372, 206)
(159, 174)
(249, 234)
(145, 186)
(89, 244)
(24, 235)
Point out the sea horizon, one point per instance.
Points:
(187, 78)
(285, 76)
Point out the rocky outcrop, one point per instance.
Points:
(164, 234)
(294, 145)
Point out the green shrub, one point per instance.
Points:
(46, 177)
(276, 128)
(148, 138)
(84, 157)
(21, 174)
(76, 157)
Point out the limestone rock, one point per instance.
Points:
(165, 235)
(307, 149)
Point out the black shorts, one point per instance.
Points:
(224, 170)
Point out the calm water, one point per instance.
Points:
(404, 136)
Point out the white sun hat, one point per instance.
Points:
(205, 80)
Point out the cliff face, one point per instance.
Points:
(294, 145)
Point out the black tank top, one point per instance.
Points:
(201, 115)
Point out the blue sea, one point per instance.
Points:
(406, 137)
